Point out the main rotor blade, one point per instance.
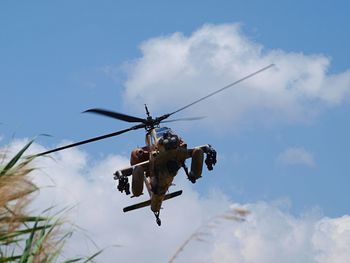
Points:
(92, 139)
(219, 90)
(185, 119)
(116, 115)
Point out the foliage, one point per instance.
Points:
(25, 237)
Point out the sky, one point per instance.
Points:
(281, 137)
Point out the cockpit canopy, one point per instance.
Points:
(162, 130)
(167, 139)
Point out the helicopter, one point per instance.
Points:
(156, 164)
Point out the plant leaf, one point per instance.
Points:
(15, 159)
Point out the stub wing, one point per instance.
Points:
(122, 176)
(128, 170)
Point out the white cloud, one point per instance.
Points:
(89, 186)
(331, 239)
(296, 156)
(270, 233)
(176, 69)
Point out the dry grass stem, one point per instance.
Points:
(25, 237)
(202, 233)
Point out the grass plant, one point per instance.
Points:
(26, 237)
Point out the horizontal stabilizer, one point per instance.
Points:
(148, 202)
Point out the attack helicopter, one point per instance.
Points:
(157, 163)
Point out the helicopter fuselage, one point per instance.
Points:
(166, 153)
(156, 164)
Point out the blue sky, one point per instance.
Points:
(59, 59)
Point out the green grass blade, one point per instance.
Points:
(17, 233)
(15, 159)
(29, 244)
(9, 259)
(89, 259)
(73, 260)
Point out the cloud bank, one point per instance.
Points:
(269, 234)
(176, 69)
(296, 156)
